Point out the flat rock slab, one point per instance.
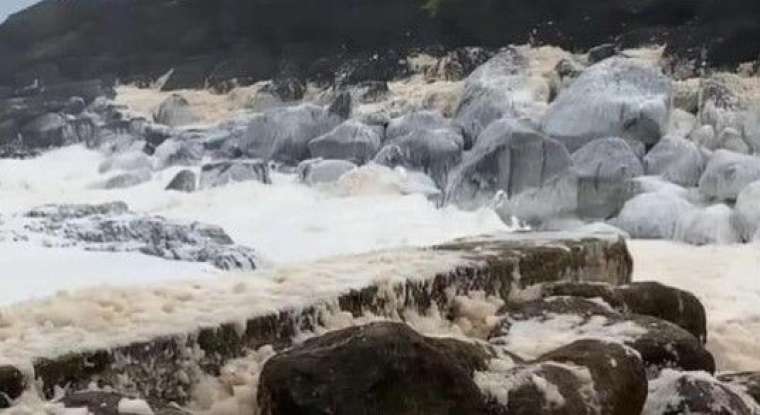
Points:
(160, 341)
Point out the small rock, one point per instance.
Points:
(727, 174)
(184, 181)
(175, 111)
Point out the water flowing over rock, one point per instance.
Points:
(319, 171)
(684, 392)
(225, 172)
(614, 98)
(113, 227)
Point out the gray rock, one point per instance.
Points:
(287, 89)
(352, 141)
(113, 227)
(681, 123)
(614, 98)
(369, 91)
(48, 130)
(500, 87)
(416, 121)
(601, 52)
(727, 174)
(746, 217)
(704, 136)
(603, 167)
(175, 111)
(677, 160)
(510, 156)
(184, 181)
(341, 106)
(652, 215)
(319, 171)
(731, 139)
(708, 225)
(226, 172)
(74, 106)
(125, 180)
(749, 382)
(434, 152)
(175, 152)
(283, 134)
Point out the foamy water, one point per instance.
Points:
(286, 222)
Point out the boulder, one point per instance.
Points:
(125, 180)
(341, 106)
(416, 121)
(674, 392)
(175, 111)
(746, 217)
(704, 136)
(539, 207)
(175, 152)
(351, 141)
(677, 160)
(498, 88)
(603, 167)
(535, 327)
(707, 225)
(614, 98)
(732, 140)
(601, 52)
(749, 382)
(320, 171)
(12, 385)
(727, 174)
(225, 172)
(48, 130)
(380, 368)
(434, 152)
(112, 227)
(510, 156)
(681, 123)
(184, 181)
(283, 134)
(652, 215)
(74, 106)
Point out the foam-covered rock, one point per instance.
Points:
(320, 171)
(603, 167)
(500, 87)
(352, 141)
(652, 215)
(708, 225)
(728, 173)
(614, 98)
(175, 111)
(674, 392)
(746, 218)
(510, 156)
(677, 160)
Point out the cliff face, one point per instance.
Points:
(60, 40)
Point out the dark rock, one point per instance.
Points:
(614, 98)
(381, 368)
(49, 130)
(385, 66)
(225, 172)
(352, 141)
(749, 382)
(184, 181)
(341, 106)
(661, 344)
(12, 385)
(434, 152)
(694, 393)
(107, 403)
(112, 227)
(319, 171)
(176, 152)
(74, 106)
(175, 111)
(601, 52)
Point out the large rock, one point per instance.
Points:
(226, 172)
(283, 134)
(708, 225)
(381, 368)
(351, 141)
(603, 167)
(614, 98)
(538, 326)
(676, 392)
(415, 122)
(749, 382)
(652, 215)
(175, 111)
(184, 181)
(746, 217)
(510, 156)
(112, 227)
(434, 152)
(727, 174)
(500, 87)
(677, 160)
(320, 171)
(49, 130)
(176, 152)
